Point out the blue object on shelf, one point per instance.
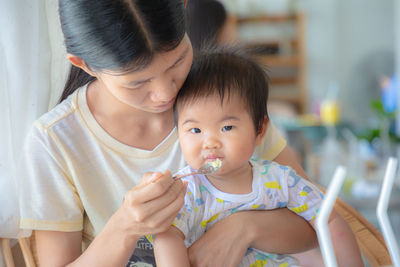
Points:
(389, 94)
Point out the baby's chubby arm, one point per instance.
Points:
(170, 249)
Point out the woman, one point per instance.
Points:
(85, 162)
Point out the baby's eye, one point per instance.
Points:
(195, 130)
(227, 128)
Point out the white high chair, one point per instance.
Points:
(371, 242)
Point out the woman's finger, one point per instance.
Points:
(162, 219)
(145, 210)
(147, 178)
(166, 199)
(153, 187)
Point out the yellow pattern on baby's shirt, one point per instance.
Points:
(303, 193)
(219, 200)
(213, 218)
(300, 209)
(255, 206)
(274, 184)
(259, 263)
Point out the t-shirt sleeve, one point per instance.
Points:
(47, 194)
(272, 144)
(304, 198)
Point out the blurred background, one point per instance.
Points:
(333, 68)
(334, 94)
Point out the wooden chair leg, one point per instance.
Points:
(6, 249)
(27, 252)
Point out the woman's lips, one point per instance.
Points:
(168, 104)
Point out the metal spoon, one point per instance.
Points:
(207, 168)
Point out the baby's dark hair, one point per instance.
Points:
(226, 72)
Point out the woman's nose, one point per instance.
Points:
(164, 90)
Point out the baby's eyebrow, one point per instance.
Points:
(226, 118)
(230, 118)
(189, 121)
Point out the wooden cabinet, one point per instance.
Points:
(282, 50)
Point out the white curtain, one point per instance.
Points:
(32, 73)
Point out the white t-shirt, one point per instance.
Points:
(74, 174)
(273, 186)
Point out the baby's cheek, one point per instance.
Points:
(191, 153)
(244, 152)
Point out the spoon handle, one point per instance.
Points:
(183, 175)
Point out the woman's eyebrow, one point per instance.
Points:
(182, 56)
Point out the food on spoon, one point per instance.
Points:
(216, 164)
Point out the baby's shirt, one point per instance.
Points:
(273, 186)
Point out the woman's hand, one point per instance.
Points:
(151, 206)
(148, 208)
(224, 244)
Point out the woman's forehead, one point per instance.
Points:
(160, 63)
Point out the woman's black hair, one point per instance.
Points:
(118, 35)
(225, 72)
(206, 19)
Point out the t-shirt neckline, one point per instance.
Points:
(111, 142)
(232, 197)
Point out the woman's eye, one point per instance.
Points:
(227, 128)
(139, 85)
(136, 87)
(195, 130)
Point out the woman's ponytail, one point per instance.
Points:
(76, 78)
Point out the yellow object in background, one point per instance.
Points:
(330, 112)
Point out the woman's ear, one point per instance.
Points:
(261, 134)
(78, 62)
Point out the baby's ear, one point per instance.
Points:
(262, 132)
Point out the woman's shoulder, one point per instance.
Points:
(61, 121)
(272, 144)
(58, 113)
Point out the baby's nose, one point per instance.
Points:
(211, 143)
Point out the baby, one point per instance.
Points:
(221, 113)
